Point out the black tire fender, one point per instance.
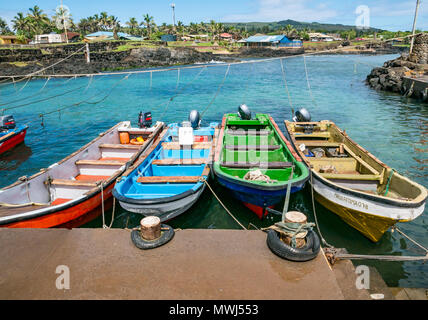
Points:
(308, 252)
(143, 244)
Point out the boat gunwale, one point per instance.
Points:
(185, 194)
(6, 137)
(265, 187)
(414, 203)
(31, 214)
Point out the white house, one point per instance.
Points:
(48, 38)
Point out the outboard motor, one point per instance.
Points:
(145, 121)
(195, 119)
(302, 115)
(244, 112)
(7, 123)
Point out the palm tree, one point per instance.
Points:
(290, 31)
(149, 23)
(212, 28)
(113, 23)
(103, 20)
(4, 28)
(22, 25)
(39, 20)
(133, 25)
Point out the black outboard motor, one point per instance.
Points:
(195, 119)
(145, 121)
(302, 115)
(244, 112)
(7, 123)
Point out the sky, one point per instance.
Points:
(384, 14)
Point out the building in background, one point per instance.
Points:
(107, 35)
(48, 38)
(272, 41)
(5, 40)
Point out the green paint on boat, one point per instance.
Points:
(256, 144)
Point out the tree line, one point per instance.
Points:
(35, 21)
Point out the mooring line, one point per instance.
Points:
(222, 204)
(217, 92)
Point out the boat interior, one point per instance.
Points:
(254, 144)
(335, 157)
(170, 168)
(102, 160)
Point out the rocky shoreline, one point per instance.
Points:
(403, 75)
(118, 55)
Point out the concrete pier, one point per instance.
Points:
(196, 264)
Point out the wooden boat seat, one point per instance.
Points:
(177, 146)
(345, 176)
(120, 146)
(72, 183)
(170, 179)
(172, 162)
(246, 165)
(253, 147)
(101, 162)
(248, 133)
(318, 143)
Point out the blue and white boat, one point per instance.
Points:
(169, 178)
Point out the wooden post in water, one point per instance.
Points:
(150, 228)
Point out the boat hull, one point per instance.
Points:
(371, 218)
(165, 209)
(257, 196)
(13, 141)
(73, 215)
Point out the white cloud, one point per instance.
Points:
(275, 10)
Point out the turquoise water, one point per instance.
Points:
(393, 128)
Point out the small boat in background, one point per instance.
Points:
(168, 180)
(10, 134)
(255, 161)
(71, 192)
(351, 182)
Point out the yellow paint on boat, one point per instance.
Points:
(371, 226)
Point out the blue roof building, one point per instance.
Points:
(276, 40)
(108, 35)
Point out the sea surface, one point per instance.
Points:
(64, 114)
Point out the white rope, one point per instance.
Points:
(286, 86)
(307, 81)
(214, 65)
(217, 92)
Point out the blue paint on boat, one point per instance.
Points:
(258, 197)
(165, 200)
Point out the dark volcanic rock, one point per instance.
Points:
(390, 77)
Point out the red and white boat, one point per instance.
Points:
(10, 134)
(70, 193)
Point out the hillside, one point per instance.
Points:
(315, 26)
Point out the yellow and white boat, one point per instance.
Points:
(354, 184)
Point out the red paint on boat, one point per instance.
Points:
(259, 211)
(71, 217)
(12, 141)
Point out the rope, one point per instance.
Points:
(102, 205)
(218, 91)
(406, 236)
(315, 213)
(171, 69)
(218, 199)
(389, 181)
(178, 93)
(286, 86)
(292, 229)
(287, 195)
(307, 81)
(112, 215)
